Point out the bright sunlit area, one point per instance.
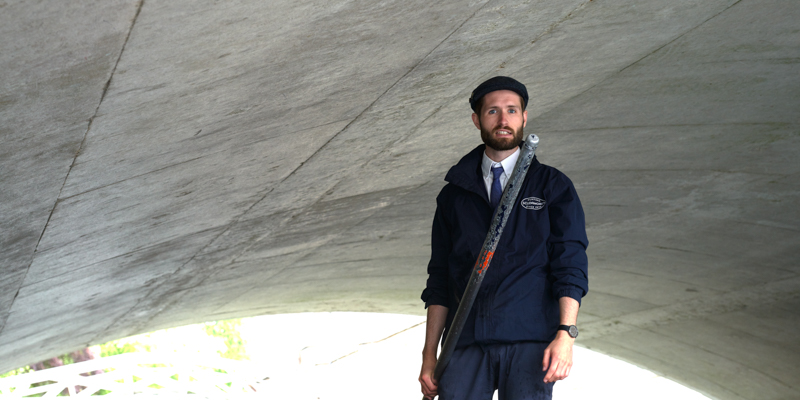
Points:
(306, 356)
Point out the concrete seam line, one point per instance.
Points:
(74, 160)
(235, 258)
(698, 307)
(136, 176)
(237, 219)
(357, 117)
(725, 356)
(89, 127)
(680, 36)
(658, 370)
(297, 211)
(451, 99)
(394, 334)
(134, 251)
(544, 33)
(644, 57)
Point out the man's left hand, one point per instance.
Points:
(558, 358)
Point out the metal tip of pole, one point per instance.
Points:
(532, 141)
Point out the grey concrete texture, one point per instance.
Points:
(171, 162)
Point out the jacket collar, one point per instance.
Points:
(467, 172)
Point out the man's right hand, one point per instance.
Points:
(429, 385)
(433, 332)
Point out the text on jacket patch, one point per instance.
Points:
(532, 203)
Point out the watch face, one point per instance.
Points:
(573, 331)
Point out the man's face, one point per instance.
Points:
(501, 120)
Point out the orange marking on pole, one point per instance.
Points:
(486, 260)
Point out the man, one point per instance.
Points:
(519, 334)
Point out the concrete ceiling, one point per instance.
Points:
(170, 162)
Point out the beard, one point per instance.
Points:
(504, 143)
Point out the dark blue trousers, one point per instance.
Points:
(514, 370)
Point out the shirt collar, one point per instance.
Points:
(508, 163)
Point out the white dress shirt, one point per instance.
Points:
(508, 167)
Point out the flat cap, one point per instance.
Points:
(498, 83)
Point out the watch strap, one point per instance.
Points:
(572, 330)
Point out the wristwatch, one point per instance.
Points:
(571, 329)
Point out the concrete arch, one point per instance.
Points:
(165, 163)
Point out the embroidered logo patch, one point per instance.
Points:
(532, 203)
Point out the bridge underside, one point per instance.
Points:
(171, 162)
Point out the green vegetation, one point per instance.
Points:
(17, 371)
(228, 330)
(210, 338)
(121, 346)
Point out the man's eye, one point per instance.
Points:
(492, 111)
(512, 111)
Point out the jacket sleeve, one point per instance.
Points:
(567, 244)
(436, 289)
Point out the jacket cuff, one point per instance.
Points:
(574, 293)
(431, 299)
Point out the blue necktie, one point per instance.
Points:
(497, 189)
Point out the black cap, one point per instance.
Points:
(498, 83)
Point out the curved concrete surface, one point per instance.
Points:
(169, 162)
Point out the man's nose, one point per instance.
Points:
(503, 118)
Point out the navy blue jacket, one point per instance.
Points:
(541, 255)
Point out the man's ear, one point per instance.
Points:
(476, 120)
(524, 118)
